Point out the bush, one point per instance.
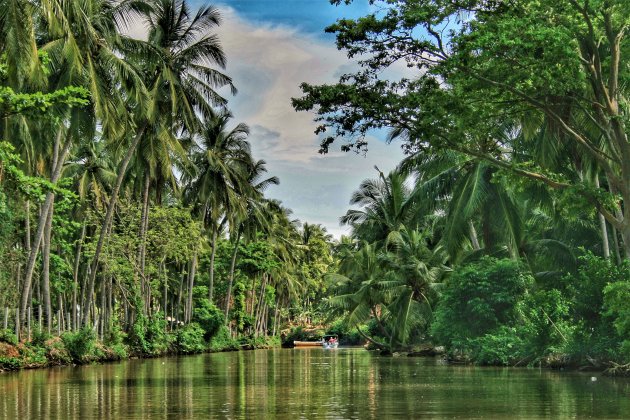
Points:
(599, 291)
(189, 339)
(478, 299)
(148, 336)
(503, 347)
(347, 336)
(7, 336)
(223, 341)
(81, 345)
(39, 338)
(115, 340)
(548, 327)
(208, 316)
(10, 363)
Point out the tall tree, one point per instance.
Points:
(181, 51)
(523, 61)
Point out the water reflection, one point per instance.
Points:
(309, 383)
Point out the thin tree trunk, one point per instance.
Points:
(261, 302)
(473, 236)
(191, 285)
(252, 293)
(615, 236)
(75, 275)
(46, 268)
(212, 255)
(602, 226)
(27, 226)
(122, 169)
(143, 226)
(165, 276)
(37, 240)
(178, 305)
(231, 277)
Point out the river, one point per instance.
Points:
(308, 384)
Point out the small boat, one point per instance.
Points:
(330, 342)
(307, 343)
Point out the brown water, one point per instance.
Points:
(306, 384)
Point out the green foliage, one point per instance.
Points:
(208, 316)
(617, 304)
(190, 339)
(547, 325)
(39, 338)
(10, 363)
(148, 336)
(115, 340)
(478, 299)
(8, 336)
(300, 333)
(81, 345)
(223, 341)
(347, 336)
(597, 292)
(38, 103)
(504, 346)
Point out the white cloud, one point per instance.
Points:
(267, 64)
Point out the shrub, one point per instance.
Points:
(189, 339)
(7, 336)
(223, 341)
(81, 344)
(347, 336)
(40, 337)
(10, 363)
(148, 335)
(599, 291)
(115, 340)
(501, 347)
(478, 299)
(208, 316)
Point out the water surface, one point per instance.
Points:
(307, 383)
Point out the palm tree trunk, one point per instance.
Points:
(602, 225)
(212, 255)
(37, 240)
(27, 226)
(473, 236)
(122, 169)
(75, 277)
(261, 302)
(46, 268)
(144, 224)
(178, 305)
(616, 244)
(165, 277)
(191, 284)
(231, 277)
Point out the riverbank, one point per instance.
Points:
(82, 348)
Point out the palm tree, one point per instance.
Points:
(82, 40)
(387, 205)
(256, 217)
(221, 161)
(180, 82)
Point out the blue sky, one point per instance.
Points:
(307, 16)
(272, 46)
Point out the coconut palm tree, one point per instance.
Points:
(82, 40)
(386, 205)
(176, 62)
(221, 157)
(257, 217)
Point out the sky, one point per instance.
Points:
(272, 46)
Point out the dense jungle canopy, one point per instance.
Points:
(133, 210)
